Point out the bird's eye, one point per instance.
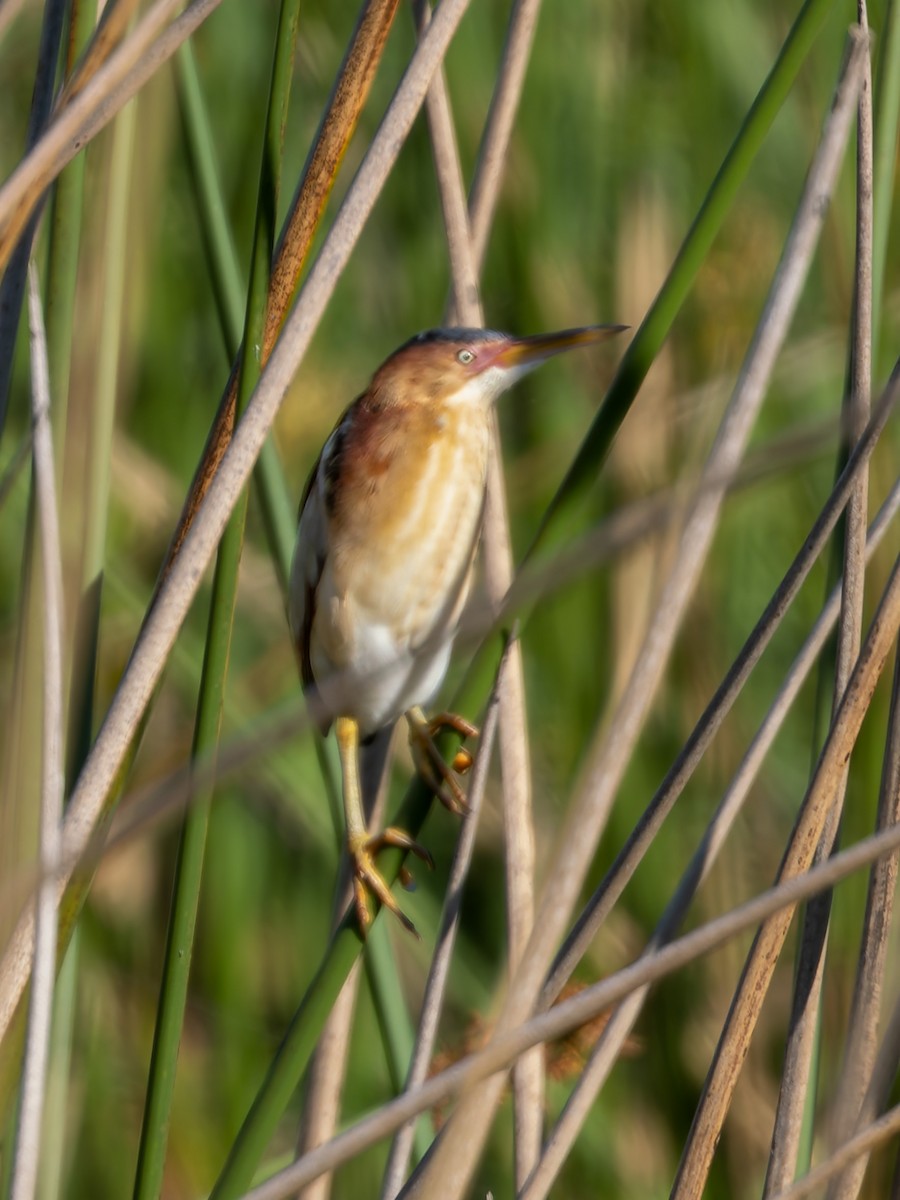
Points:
(465, 357)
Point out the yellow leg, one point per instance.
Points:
(429, 761)
(361, 846)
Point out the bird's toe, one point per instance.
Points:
(440, 776)
(369, 881)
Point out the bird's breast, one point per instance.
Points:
(405, 532)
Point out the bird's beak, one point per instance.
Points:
(520, 355)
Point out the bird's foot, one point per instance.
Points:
(367, 879)
(429, 762)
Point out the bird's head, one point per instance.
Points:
(473, 365)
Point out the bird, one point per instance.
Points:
(389, 526)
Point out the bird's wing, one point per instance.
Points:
(306, 569)
(311, 549)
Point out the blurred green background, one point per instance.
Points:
(627, 113)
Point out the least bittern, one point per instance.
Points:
(389, 526)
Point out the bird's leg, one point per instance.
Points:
(362, 847)
(429, 761)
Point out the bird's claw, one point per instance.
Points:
(368, 880)
(429, 761)
(451, 720)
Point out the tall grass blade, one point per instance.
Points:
(189, 866)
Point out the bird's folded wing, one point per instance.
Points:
(306, 570)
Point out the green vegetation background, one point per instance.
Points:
(627, 113)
